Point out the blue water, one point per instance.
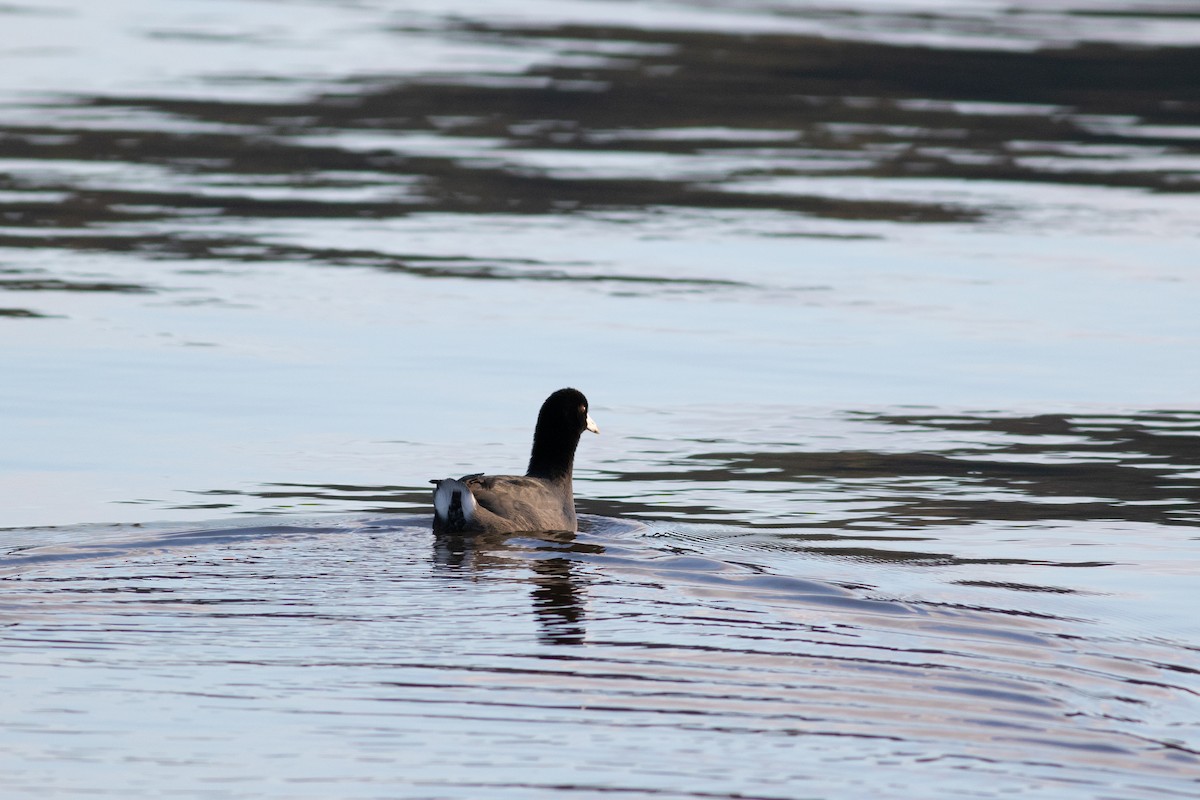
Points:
(886, 312)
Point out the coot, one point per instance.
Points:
(540, 500)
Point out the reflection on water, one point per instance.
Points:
(284, 261)
(1135, 469)
(558, 595)
(610, 117)
(854, 471)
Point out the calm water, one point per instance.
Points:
(887, 311)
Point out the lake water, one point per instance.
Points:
(887, 312)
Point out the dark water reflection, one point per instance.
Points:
(559, 593)
(1139, 468)
(613, 118)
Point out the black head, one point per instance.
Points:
(562, 420)
(565, 411)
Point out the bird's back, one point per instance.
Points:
(503, 504)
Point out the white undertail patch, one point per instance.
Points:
(443, 498)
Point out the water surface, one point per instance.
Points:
(886, 310)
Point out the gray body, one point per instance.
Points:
(542, 499)
(503, 504)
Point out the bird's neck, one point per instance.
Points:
(551, 459)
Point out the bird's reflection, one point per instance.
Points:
(554, 560)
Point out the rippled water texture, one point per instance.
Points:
(887, 311)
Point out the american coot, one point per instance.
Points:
(540, 500)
